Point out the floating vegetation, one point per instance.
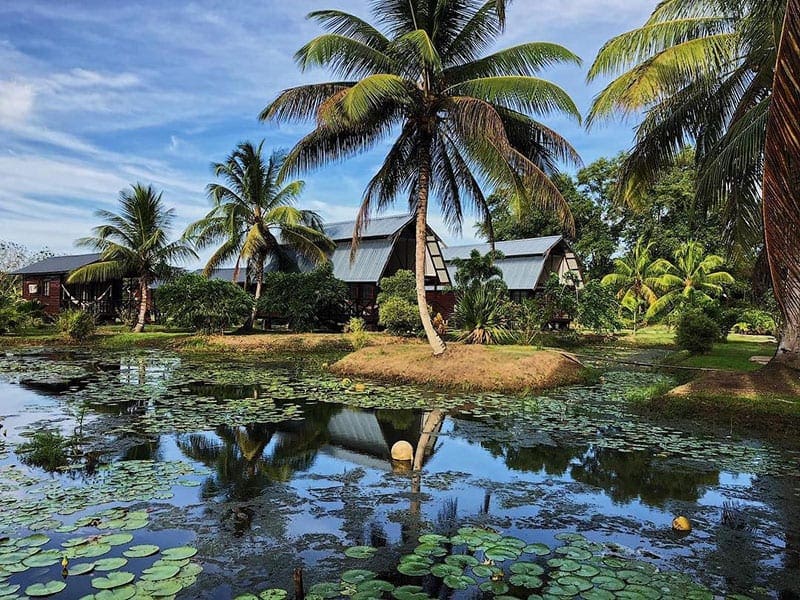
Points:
(46, 449)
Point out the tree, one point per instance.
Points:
(134, 243)
(693, 278)
(461, 118)
(255, 218)
(782, 187)
(634, 278)
(478, 270)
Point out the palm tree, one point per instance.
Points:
(701, 73)
(782, 187)
(635, 276)
(255, 218)
(709, 71)
(461, 118)
(134, 243)
(695, 276)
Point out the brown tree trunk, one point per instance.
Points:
(434, 340)
(781, 206)
(259, 286)
(143, 291)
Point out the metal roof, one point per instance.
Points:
(59, 264)
(370, 261)
(529, 247)
(522, 272)
(378, 227)
(226, 274)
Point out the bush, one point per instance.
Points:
(399, 316)
(77, 325)
(400, 285)
(195, 302)
(696, 332)
(759, 322)
(480, 316)
(527, 320)
(357, 332)
(46, 449)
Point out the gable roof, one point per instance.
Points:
(380, 227)
(529, 247)
(59, 264)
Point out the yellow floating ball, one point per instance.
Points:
(681, 524)
(346, 382)
(402, 451)
(360, 387)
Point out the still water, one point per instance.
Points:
(265, 468)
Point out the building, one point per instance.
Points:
(386, 246)
(46, 282)
(527, 264)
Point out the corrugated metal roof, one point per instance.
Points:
(528, 247)
(378, 227)
(522, 273)
(59, 264)
(226, 274)
(369, 264)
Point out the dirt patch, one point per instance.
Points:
(498, 368)
(776, 382)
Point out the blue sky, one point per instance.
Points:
(95, 95)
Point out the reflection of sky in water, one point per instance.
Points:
(534, 490)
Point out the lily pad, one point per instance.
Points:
(80, 568)
(179, 553)
(361, 552)
(141, 551)
(160, 572)
(113, 580)
(45, 589)
(458, 582)
(273, 594)
(110, 564)
(356, 576)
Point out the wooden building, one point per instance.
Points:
(46, 282)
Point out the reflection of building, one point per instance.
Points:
(366, 438)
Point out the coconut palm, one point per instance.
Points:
(460, 117)
(700, 72)
(634, 279)
(134, 243)
(693, 277)
(782, 188)
(255, 219)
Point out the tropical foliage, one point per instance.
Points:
(305, 300)
(207, 305)
(76, 325)
(634, 279)
(478, 270)
(134, 243)
(397, 310)
(255, 219)
(694, 278)
(461, 117)
(481, 315)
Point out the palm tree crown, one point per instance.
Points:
(461, 118)
(701, 72)
(635, 277)
(254, 216)
(694, 276)
(134, 243)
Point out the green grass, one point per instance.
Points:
(733, 355)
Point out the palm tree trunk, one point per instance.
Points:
(143, 291)
(434, 340)
(781, 206)
(259, 286)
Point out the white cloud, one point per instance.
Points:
(16, 103)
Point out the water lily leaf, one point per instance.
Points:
(413, 569)
(45, 589)
(537, 549)
(360, 552)
(433, 538)
(117, 539)
(112, 580)
(577, 582)
(92, 550)
(356, 576)
(273, 594)
(498, 588)
(501, 553)
(375, 586)
(531, 582)
(526, 568)
(6, 589)
(461, 560)
(598, 594)
(458, 582)
(37, 539)
(43, 559)
(81, 568)
(482, 570)
(325, 590)
(409, 592)
(160, 572)
(159, 589)
(122, 593)
(179, 553)
(110, 564)
(141, 551)
(444, 570)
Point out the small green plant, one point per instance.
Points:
(480, 316)
(642, 395)
(400, 285)
(46, 449)
(357, 333)
(399, 316)
(77, 325)
(696, 332)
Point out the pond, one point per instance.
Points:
(214, 478)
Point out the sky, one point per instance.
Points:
(96, 95)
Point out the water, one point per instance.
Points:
(267, 467)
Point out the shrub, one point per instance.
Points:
(195, 302)
(527, 320)
(357, 332)
(696, 332)
(306, 300)
(759, 322)
(399, 316)
(46, 449)
(77, 325)
(400, 285)
(480, 316)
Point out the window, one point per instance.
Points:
(46, 290)
(33, 289)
